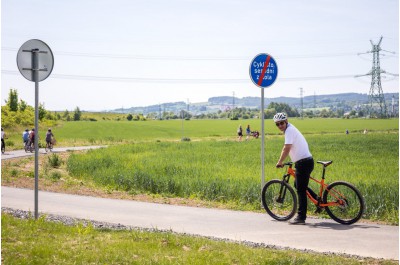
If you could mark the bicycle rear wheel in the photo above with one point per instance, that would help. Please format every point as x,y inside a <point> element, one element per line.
<point>351,203</point>
<point>48,147</point>
<point>279,200</point>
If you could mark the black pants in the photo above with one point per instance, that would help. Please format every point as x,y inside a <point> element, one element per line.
<point>303,171</point>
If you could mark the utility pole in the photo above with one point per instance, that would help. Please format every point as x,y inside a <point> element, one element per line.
<point>392,112</point>
<point>233,102</point>
<point>375,96</point>
<point>301,102</point>
<point>233,99</point>
<point>315,101</point>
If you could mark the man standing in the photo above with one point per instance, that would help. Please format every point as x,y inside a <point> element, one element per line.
<point>297,148</point>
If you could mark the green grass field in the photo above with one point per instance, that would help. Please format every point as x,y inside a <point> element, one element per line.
<point>114,132</point>
<point>229,171</point>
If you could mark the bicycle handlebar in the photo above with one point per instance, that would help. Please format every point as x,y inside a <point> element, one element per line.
<point>285,164</point>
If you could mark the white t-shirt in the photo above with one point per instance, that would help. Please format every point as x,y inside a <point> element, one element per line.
<point>2,134</point>
<point>299,144</point>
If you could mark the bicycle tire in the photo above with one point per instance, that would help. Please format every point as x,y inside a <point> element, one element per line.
<point>281,209</point>
<point>353,203</point>
<point>48,148</point>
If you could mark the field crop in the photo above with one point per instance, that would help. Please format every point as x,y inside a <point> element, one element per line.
<point>229,171</point>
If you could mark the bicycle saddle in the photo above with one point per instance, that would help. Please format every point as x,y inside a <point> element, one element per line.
<point>325,163</point>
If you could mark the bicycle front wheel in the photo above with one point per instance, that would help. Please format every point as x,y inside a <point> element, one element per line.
<point>279,200</point>
<point>350,204</point>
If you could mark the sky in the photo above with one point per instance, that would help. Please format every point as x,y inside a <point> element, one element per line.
<point>126,53</point>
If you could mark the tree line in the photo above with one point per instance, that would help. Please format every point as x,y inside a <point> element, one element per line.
<point>18,112</point>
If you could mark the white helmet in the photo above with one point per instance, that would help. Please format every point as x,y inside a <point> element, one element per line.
<point>280,117</point>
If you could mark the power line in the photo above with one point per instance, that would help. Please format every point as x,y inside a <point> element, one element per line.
<point>185,58</point>
<point>176,80</point>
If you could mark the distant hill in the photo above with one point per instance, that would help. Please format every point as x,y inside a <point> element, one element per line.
<point>224,103</point>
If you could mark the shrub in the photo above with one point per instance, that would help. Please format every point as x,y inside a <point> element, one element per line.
<point>54,161</point>
<point>55,175</point>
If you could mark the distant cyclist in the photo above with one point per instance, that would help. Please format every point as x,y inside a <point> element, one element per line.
<point>32,137</point>
<point>25,136</point>
<point>49,137</point>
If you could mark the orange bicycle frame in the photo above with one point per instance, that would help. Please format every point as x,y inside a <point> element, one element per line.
<point>323,187</point>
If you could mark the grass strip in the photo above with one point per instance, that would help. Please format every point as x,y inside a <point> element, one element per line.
<point>29,241</point>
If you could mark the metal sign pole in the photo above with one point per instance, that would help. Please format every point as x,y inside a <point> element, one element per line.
<point>263,72</point>
<point>262,140</point>
<point>35,70</point>
<point>35,73</point>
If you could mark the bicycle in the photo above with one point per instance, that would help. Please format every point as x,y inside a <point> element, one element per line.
<point>50,145</point>
<point>29,147</point>
<point>341,200</point>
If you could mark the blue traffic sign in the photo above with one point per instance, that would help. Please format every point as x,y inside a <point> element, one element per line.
<point>263,70</point>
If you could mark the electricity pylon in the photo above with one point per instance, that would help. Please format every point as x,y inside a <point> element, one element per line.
<point>375,95</point>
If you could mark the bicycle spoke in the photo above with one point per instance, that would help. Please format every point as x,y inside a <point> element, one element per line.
<point>279,200</point>
<point>349,203</point>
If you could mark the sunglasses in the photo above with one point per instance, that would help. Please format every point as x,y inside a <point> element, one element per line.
<point>279,123</point>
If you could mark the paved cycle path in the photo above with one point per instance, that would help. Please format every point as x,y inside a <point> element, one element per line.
<point>21,153</point>
<point>321,235</point>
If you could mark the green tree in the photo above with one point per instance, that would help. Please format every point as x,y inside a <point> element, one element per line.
<point>129,117</point>
<point>283,107</point>
<point>22,105</point>
<point>66,115</point>
<point>42,111</point>
<point>12,102</point>
<point>77,114</point>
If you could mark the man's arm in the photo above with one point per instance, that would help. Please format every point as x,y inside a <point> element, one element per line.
<point>285,152</point>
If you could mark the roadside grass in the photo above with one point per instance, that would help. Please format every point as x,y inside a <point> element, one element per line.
<point>30,241</point>
<point>229,171</point>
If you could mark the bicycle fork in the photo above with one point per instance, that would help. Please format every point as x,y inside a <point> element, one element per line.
<point>283,189</point>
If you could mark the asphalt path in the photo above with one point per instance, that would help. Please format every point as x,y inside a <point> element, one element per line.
<point>320,235</point>
<point>21,153</point>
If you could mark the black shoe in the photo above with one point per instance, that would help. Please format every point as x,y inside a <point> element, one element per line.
<point>297,221</point>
